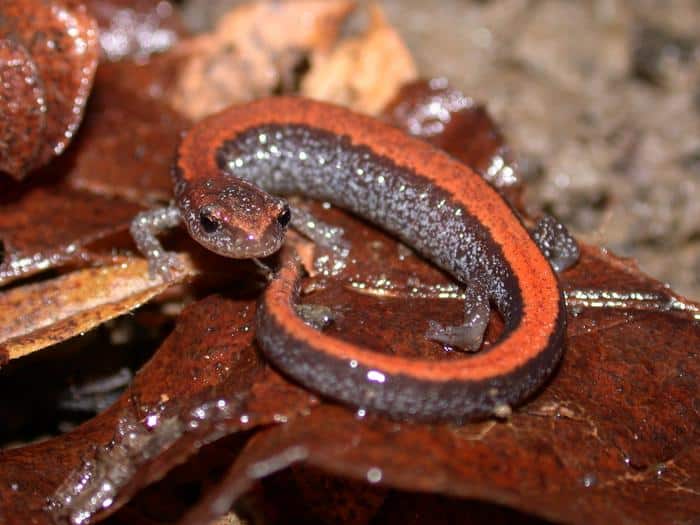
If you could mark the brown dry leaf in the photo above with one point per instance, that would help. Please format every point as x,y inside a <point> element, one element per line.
<point>127,141</point>
<point>211,336</point>
<point>47,226</point>
<point>450,120</point>
<point>22,110</point>
<point>74,213</point>
<point>62,44</point>
<point>364,72</point>
<point>206,381</point>
<point>38,315</point>
<point>614,436</point>
<point>120,162</point>
<point>253,52</point>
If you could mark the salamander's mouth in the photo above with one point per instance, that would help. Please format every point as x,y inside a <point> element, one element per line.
<point>236,243</point>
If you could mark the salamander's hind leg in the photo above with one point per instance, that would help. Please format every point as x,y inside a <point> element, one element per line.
<point>556,243</point>
<point>144,229</point>
<point>469,335</point>
<point>317,316</point>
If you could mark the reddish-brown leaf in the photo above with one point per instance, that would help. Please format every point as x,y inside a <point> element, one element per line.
<point>452,121</point>
<point>22,108</point>
<point>207,360</point>
<point>47,226</point>
<point>613,437</point>
<point>62,44</point>
<point>128,139</point>
<point>121,158</point>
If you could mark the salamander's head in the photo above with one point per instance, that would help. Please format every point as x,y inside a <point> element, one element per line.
<point>233,218</point>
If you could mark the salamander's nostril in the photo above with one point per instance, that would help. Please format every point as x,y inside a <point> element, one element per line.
<point>285,216</point>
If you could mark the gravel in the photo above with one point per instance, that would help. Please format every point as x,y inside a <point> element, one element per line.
<point>601,100</point>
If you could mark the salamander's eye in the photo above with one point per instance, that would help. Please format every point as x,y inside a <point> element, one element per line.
<point>209,223</point>
<point>284,217</point>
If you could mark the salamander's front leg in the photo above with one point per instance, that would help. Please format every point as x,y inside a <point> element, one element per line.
<point>332,248</point>
<point>144,228</point>
<point>323,234</point>
<point>469,335</point>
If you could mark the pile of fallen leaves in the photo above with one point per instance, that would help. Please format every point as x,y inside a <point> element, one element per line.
<point>92,101</point>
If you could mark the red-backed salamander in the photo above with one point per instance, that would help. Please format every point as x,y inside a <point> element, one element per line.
<point>430,201</point>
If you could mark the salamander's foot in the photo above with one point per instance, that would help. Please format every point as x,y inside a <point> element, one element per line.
<point>164,265</point>
<point>466,337</point>
<point>556,243</point>
<point>315,315</point>
<point>266,271</point>
<point>469,335</point>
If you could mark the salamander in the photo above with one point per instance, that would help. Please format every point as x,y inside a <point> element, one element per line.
<point>231,169</point>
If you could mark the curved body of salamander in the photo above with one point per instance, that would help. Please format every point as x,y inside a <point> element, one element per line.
<point>432,202</point>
